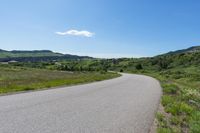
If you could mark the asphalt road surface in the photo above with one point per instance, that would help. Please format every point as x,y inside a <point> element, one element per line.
<point>123,105</point>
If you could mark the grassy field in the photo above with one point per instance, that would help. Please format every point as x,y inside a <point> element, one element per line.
<point>180,100</point>
<point>14,79</point>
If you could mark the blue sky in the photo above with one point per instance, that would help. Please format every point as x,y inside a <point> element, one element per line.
<point>100,28</point>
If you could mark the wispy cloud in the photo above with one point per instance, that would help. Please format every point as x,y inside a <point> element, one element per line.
<point>83,33</point>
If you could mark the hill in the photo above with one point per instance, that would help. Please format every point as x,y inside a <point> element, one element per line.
<point>35,55</point>
<point>193,49</point>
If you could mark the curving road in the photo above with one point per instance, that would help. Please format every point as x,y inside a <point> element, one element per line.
<point>123,105</point>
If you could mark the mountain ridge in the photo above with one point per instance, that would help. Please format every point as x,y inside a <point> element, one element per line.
<point>192,49</point>
<point>35,55</point>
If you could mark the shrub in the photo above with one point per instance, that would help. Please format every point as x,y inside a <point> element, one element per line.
<point>28,88</point>
<point>138,67</point>
<point>103,72</point>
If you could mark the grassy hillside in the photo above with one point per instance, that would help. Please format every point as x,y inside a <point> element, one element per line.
<point>179,74</point>
<point>188,50</point>
<point>36,56</point>
<point>39,53</point>
<point>181,99</point>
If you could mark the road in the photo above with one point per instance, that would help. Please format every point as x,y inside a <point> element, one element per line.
<point>123,105</point>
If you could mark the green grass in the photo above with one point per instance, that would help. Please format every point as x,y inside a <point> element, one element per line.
<point>14,79</point>
<point>181,99</point>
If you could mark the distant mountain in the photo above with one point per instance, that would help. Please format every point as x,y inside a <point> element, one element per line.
<point>35,55</point>
<point>193,49</point>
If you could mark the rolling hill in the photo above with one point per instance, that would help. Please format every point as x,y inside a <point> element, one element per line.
<point>193,49</point>
<point>36,55</point>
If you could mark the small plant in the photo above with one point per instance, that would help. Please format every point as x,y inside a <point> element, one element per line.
<point>164,130</point>
<point>175,120</point>
<point>160,117</point>
<point>185,108</point>
<point>162,120</point>
<point>194,123</point>
<point>173,108</point>
<point>166,100</point>
<point>170,88</point>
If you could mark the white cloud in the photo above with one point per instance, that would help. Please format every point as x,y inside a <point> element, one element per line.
<point>83,33</point>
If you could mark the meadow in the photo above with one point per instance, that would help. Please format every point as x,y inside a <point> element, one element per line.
<point>15,79</point>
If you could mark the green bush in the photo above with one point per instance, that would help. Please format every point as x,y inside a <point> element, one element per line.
<point>138,67</point>
<point>28,88</point>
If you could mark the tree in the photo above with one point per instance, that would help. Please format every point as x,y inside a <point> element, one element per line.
<point>121,70</point>
<point>138,67</point>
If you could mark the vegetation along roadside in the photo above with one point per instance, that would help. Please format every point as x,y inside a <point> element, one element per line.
<point>15,79</point>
